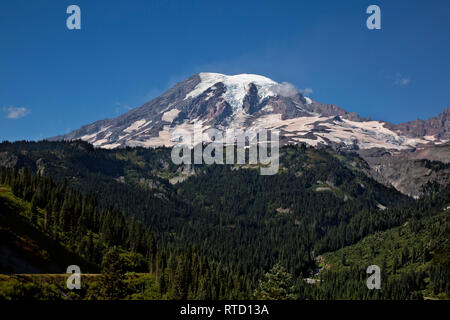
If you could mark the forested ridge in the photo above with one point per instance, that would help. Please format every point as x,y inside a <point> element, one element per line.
<point>106,239</point>
<point>218,233</point>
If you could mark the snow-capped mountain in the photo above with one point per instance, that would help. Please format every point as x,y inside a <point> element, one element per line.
<point>252,101</point>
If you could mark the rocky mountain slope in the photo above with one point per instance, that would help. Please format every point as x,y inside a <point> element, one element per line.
<point>248,101</point>
<point>438,127</point>
<point>409,170</point>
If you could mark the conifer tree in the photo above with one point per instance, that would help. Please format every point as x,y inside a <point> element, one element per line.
<point>278,284</point>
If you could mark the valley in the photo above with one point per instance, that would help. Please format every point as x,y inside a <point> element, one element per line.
<point>237,226</point>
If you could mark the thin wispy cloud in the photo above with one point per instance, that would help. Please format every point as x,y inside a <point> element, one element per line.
<point>306,92</point>
<point>120,107</point>
<point>15,112</point>
<point>401,80</point>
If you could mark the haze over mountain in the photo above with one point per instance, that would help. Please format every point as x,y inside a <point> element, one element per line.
<point>250,101</point>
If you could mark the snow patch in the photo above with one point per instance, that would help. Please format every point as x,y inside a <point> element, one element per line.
<point>89,137</point>
<point>111,146</point>
<point>103,140</point>
<point>430,138</point>
<point>169,116</point>
<point>267,108</point>
<point>135,126</point>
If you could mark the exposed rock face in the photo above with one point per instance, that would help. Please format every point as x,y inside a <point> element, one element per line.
<point>438,127</point>
<point>408,171</point>
<point>40,165</point>
<point>8,160</point>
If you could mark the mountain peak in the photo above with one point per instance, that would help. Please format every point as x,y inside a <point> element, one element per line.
<point>242,77</point>
<point>236,86</point>
<point>250,101</point>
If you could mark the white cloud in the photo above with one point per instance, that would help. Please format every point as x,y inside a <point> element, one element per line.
<point>401,80</point>
<point>15,113</point>
<point>306,92</point>
<point>286,89</point>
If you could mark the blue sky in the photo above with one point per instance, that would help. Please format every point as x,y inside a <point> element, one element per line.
<point>53,80</point>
